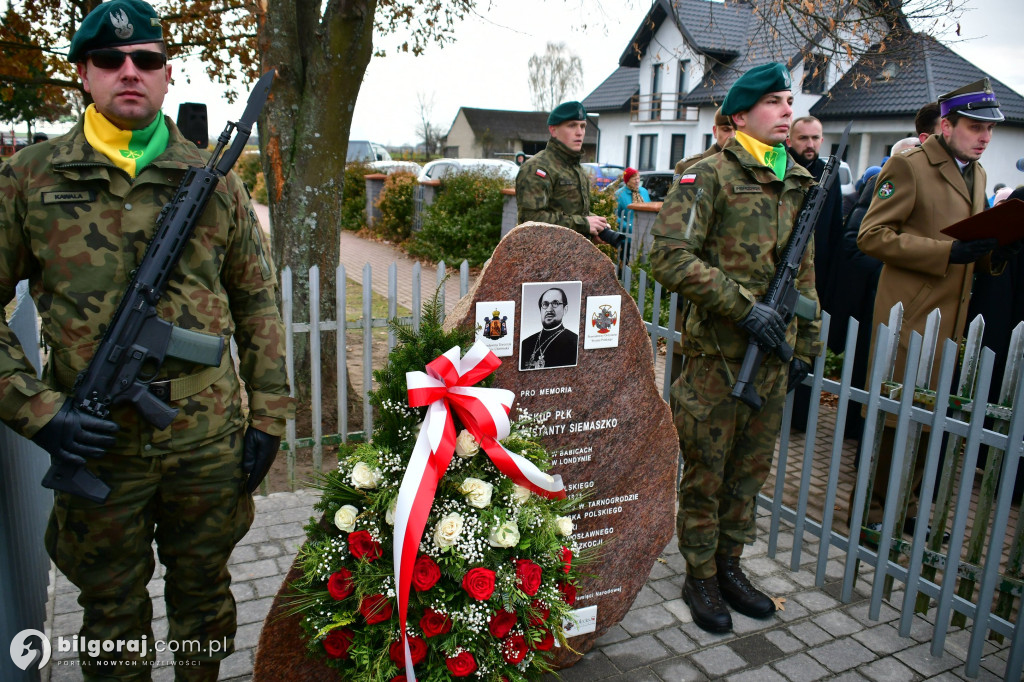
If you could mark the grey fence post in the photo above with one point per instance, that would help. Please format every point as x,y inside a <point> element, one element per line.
<point>24,508</point>
<point>509,211</point>
<point>423,196</point>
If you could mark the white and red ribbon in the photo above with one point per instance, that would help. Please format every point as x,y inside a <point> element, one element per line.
<point>449,386</point>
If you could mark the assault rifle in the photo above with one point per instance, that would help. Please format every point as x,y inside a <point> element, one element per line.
<point>137,341</point>
<point>782,295</point>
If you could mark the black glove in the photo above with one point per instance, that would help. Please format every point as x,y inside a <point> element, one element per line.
<point>73,435</point>
<point>798,371</point>
<point>766,325</point>
<point>1004,253</point>
<point>258,453</point>
<point>968,252</point>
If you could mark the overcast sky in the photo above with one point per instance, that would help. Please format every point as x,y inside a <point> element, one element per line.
<point>487,66</point>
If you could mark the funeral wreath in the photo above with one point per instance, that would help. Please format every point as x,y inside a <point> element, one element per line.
<point>446,524</point>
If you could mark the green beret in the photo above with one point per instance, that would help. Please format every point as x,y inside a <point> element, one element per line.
<point>744,93</point>
<point>119,22</point>
<point>567,111</point>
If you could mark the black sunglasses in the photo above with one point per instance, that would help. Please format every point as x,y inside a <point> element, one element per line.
<point>147,60</point>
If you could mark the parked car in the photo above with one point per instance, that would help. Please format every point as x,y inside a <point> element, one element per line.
<point>389,167</point>
<point>441,168</point>
<point>602,174</point>
<point>657,183</point>
<point>364,150</point>
<point>846,179</point>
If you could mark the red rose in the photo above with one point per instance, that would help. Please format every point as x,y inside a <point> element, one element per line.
<point>399,678</point>
<point>462,665</point>
<point>501,622</point>
<point>363,546</point>
<point>425,573</point>
<point>433,623</point>
<point>513,649</point>
<point>527,576</point>
<point>337,642</point>
<point>339,585</point>
<point>417,650</point>
<point>568,593</point>
<point>565,556</point>
<point>542,612</point>
<point>375,609</point>
<point>479,583</point>
<point>544,643</point>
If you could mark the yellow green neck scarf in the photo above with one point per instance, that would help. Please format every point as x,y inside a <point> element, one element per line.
<point>773,157</point>
<point>131,150</point>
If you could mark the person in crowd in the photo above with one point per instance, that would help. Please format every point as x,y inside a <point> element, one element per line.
<point>926,121</point>
<point>917,194</point>
<point>805,138</point>
<point>719,249</point>
<point>722,130</point>
<point>630,193</point>
<point>995,191</point>
<point>76,215</point>
<point>551,186</point>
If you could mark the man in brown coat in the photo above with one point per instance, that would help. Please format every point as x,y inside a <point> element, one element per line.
<point>918,193</point>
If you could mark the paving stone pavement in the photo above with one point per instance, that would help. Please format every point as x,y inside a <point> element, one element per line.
<point>816,637</point>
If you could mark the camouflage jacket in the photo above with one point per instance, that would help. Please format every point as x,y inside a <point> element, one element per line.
<point>553,188</point>
<point>75,226</point>
<point>683,164</point>
<point>717,241</point>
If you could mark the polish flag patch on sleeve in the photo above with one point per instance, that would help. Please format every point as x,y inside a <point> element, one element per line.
<point>688,179</point>
<point>541,173</point>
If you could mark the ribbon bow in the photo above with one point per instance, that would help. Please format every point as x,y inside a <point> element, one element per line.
<point>449,386</point>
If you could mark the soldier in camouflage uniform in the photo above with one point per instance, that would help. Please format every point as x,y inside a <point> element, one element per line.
<point>717,242</point>
<point>76,215</point>
<point>551,186</point>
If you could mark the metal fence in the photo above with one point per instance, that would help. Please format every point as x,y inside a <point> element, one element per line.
<point>24,507</point>
<point>977,578</point>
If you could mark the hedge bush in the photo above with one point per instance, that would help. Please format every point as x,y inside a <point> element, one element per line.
<point>250,170</point>
<point>464,222</point>
<point>353,202</point>
<point>396,207</point>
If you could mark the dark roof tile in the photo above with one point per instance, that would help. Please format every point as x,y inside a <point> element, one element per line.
<point>924,70</point>
<point>615,92</point>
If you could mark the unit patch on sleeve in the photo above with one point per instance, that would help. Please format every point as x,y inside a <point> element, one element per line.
<point>886,189</point>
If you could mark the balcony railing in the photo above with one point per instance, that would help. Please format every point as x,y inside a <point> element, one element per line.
<point>663,106</point>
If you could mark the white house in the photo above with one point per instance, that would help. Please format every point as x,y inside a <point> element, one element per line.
<point>659,105</point>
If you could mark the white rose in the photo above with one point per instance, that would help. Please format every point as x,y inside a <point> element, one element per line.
<point>389,516</point>
<point>448,530</point>
<point>520,494</point>
<point>505,535</point>
<point>465,445</point>
<point>345,518</point>
<point>365,477</point>
<point>477,492</point>
<point>564,525</point>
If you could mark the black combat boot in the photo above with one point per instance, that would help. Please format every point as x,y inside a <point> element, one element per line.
<point>705,602</point>
<point>738,591</point>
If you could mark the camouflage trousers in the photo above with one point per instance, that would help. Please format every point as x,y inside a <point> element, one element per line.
<point>194,505</point>
<point>727,454</point>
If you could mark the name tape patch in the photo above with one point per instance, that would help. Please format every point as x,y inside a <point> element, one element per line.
<point>76,197</point>
<point>746,189</point>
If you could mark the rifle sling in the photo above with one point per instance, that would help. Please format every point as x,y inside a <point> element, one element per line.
<point>169,390</point>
